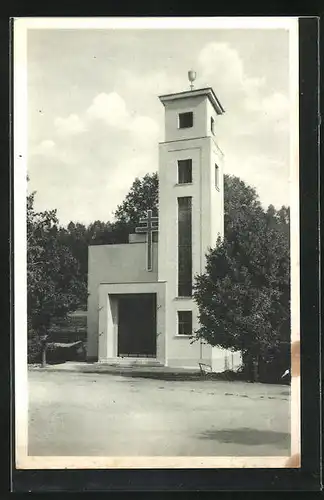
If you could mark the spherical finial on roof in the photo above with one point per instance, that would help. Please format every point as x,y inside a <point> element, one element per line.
<point>192,77</point>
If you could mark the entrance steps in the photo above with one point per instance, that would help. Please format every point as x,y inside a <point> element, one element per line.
<point>130,362</point>
<point>155,370</point>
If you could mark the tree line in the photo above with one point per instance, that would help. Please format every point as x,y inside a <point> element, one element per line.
<point>243,297</point>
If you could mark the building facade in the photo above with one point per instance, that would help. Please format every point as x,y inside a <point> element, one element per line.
<point>140,304</point>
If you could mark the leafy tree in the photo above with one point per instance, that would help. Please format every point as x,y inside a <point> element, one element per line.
<point>243,297</point>
<point>53,276</point>
<point>74,237</point>
<point>142,196</point>
<point>104,233</point>
<point>77,237</point>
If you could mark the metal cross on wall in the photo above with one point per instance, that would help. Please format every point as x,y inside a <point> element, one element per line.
<point>148,225</point>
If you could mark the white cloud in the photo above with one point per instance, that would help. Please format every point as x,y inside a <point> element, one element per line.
<point>144,131</point>
<point>49,150</point>
<point>45,147</point>
<point>267,174</point>
<point>222,66</point>
<point>124,175</point>
<point>149,85</point>
<point>124,127</point>
<point>111,108</point>
<point>275,106</point>
<point>120,144</point>
<point>253,132</point>
<point>71,125</point>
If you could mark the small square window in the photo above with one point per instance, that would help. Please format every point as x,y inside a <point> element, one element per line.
<point>186,120</point>
<point>216,176</point>
<point>212,125</point>
<point>185,323</point>
<point>184,171</point>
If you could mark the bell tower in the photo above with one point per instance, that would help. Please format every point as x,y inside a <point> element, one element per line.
<point>191,210</point>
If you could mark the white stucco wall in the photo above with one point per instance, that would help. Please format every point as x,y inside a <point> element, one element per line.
<point>124,263</point>
<point>197,143</point>
<point>117,269</point>
<point>172,109</point>
<point>108,317</point>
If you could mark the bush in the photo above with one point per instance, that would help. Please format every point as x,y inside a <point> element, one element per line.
<point>34,348</point>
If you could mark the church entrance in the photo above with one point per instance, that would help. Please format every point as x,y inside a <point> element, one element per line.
<point>137,325</point>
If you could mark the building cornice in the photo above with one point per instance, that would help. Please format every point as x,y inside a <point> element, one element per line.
<point>195,93</point>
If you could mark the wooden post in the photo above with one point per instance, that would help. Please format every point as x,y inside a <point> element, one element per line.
<point>44,347</point>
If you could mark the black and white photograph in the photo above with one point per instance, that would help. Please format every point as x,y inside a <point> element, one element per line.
<point>156,242</point>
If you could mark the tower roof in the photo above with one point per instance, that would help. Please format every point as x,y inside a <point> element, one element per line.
<point>194,93</point>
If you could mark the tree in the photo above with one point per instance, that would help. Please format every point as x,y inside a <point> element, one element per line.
<point>53,276</point>
<point>103,233</point>
<point>143,196</point>
<point>243,296</point>
<point>77,237</point>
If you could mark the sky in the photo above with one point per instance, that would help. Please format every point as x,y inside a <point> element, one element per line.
<point>95,120</point>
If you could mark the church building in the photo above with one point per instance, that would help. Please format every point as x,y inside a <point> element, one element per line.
<point>140,305</point>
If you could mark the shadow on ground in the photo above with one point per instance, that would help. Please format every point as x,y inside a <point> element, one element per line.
<point>247,436</point>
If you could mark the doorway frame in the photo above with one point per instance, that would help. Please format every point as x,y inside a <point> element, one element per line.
<point>108,318</point>
<point>152,320</point>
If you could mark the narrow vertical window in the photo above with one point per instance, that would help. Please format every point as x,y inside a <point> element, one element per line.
<point>216,176</point>
<point>184,171</point>
<point>185,323</point>
<point>212,125</point>
<point>184,247</point>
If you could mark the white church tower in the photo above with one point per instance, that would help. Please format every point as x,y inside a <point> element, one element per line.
<point>140,304</point>
<point>191,214</point>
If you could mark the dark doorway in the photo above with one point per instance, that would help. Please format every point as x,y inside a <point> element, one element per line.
<point>137,325</point>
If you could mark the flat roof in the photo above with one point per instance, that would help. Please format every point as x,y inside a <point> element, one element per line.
<point>194,93</point>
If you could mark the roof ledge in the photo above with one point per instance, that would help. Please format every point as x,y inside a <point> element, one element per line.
<point>194,93</point>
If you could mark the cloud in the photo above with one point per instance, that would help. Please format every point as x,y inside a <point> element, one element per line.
<point>267,174</point>
<point>256,118</point>
<point>113,111</point>
<point>144,131</point>
<point>124,127</point>
<point>111,108</point>
<point>45,147</point>
<point>48,150</point>
<point>149,85</point>
<point>71,125</point>
<point>120,144</point>
<point>274,106</point>
<point>222,66</point>
<point>249,98</point>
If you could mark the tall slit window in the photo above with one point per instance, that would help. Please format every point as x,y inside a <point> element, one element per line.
<point>212,125</point>
<point>184,171</point>
<point>185,246</point>
<point>216,176</point>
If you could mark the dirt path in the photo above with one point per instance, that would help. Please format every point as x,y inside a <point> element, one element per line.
<point>100,414</point>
